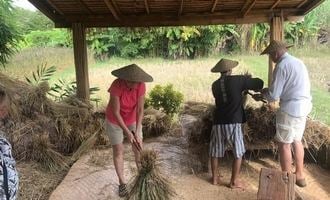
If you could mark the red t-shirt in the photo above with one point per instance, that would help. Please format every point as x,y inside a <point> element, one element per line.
<point>128,98</point>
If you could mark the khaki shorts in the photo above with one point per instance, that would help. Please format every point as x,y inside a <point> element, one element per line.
<point>289,128</point>
<point>116,133</point>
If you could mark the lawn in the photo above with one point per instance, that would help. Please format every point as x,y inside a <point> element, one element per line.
<point>192,77</point>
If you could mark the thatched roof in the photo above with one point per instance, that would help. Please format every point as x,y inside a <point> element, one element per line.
<point>133,13</point>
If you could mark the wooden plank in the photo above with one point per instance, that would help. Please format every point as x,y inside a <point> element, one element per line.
<point>214,5</point>
<point>275,4</point>
<point>147,6</point>
<point>80,60</point>
<point>249,8</point>
<point>112,9</point>
<point>276,33</point>
<point>274,184</point>
<point>181,8</point>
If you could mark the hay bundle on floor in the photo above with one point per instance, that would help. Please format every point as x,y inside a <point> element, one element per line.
<point>200,132</point>
<point>317,134</point>
<point>196,109</point>
<point>155,123</point>
<point>45,131</point>
<point>150,184</point>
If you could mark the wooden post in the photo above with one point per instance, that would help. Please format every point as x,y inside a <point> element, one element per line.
<point>80,60</point>
<point>274,184</point>
<point>276,33</point>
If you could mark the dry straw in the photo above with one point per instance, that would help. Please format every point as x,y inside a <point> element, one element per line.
<point>150,183</point>
<point>48,132</point>
<point>155,123</point>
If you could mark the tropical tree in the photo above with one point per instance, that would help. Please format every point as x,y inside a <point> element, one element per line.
<point>8,34</point>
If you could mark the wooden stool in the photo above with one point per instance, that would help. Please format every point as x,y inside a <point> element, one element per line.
<point>276,185</point>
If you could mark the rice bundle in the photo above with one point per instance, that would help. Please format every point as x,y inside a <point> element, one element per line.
<point>150,184</point>
<point>45,131</point>
<point>155,123</point>
<point>260,126</point>
<point>259,131</point>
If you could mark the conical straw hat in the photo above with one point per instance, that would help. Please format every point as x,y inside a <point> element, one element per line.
<point>224,65</point>
<point>132,73</point>
<point>275,45</point>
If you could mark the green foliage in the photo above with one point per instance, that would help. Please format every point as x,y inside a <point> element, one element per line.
<point>8,32</point>
<point>27,21</point>
<point>64,89</point>
<point>165,98</point>
<point>42,74</point>
<point>49,38</point>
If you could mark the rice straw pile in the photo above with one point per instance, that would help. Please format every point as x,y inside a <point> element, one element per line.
<point>155,123</point>
<point>45,131</point>
<point>259,131</point>
<point>150,184</point>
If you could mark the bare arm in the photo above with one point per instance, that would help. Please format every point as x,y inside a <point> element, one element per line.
<point>139,114</point>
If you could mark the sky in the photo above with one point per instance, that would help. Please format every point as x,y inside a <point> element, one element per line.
<point>24,4</point>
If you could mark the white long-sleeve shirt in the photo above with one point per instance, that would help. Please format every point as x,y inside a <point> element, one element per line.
<point>291,86</point>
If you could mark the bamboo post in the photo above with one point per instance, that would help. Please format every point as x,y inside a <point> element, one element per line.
<point>80,60</point>
<point>276,33</point>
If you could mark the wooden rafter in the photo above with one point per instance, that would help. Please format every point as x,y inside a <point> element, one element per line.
<point>249,8</point>
<point>147,6</point>
<point>55,7</point>
<point>313,4</point>
<point>55,17</point>
<point>181,8</point>
<point>301,3</point>
<point>245,5</point>
<point>214,5</point>
<point>112,9</point>
<point>154,19</point>
<point>114,3</point>
<point>275,4</point>
<point>88,10</point>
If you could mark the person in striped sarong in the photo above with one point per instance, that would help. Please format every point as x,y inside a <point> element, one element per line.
<point>228,118</point>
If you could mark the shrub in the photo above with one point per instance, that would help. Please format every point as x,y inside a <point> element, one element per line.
<point>165,98</point>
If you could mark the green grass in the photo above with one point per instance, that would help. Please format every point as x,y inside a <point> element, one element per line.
<point>192,77</point>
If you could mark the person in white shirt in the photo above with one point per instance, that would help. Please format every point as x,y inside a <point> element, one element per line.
<point>291,86</point>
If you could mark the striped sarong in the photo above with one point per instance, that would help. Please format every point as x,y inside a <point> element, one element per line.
<point>227,135</point>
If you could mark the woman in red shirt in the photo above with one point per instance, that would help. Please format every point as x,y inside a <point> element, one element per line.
<point>124,115</point>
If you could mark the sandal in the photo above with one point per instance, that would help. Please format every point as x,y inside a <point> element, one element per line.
<point>122,190</point>
<point>301,182</point>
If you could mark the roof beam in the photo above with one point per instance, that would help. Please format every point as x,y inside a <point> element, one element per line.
<point>313,4</point>
<point>259,15</point>
<point>55,7</point>
<point>112,9</point>
<point>275,4</point>
<point>45,9</point>
<point>84,6</point>
<point>181,8</point>
<point>301,3</point>
<point>245,5</point>
<point>249,8</point>
<point>214,5</point>
<point>147,6</point>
